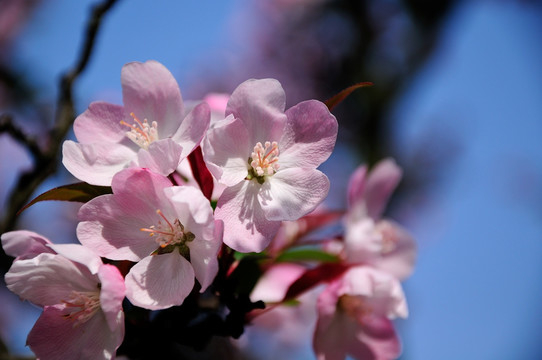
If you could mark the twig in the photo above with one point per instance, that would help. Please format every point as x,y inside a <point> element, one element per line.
<point>7,126</point>
<point>45,160</point>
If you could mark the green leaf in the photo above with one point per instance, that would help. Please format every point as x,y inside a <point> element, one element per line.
<point>337,99</point>
<point>78,192</point>
<point>295,255</point>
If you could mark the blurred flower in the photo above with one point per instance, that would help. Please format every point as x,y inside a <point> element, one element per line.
<point>369,239</point>
<point>354,315</point>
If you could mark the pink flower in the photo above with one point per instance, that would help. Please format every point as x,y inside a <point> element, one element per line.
<point>168,230</point>
<point>149,131</point>
<point>81,298</point>
<point>267,158</point>
<point>354,315</point>
<point>368,238</point>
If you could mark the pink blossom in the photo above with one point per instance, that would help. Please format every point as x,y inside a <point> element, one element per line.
<point>150,130</point>
<point>81,298</point>
<point>354,316</point>
<point>168,230</point>
<point>370,239</point>
<point>267,159</point>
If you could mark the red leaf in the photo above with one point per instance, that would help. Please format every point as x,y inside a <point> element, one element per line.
<point>322,273</point>
<point>201,173</point>
<point>337,99</point>
<point>78,192</point>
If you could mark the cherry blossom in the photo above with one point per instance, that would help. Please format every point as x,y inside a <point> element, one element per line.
<point>81,298</point>
<point>150,130</point>
<point>267,159</point>
<point>168,230</point>
<point>354,316</point>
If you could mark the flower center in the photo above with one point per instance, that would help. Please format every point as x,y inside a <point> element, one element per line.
<point>169,235</point>
<point>81,306</point>
<point>354,306</point>
<point>263,160</point>
<point>141,133</point>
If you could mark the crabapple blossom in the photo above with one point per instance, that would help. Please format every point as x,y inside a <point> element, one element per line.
<point>354,316</point>
<point>81,298</point>
<point>150,130</point>
<point>168,230</point>
<point>370,239</point>
<point>267,159</point>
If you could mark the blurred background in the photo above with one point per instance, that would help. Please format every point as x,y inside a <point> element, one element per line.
<point>457,101</point>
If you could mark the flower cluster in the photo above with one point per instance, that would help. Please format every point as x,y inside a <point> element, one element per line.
<point>190,195</point>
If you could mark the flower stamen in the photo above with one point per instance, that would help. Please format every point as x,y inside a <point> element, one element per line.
<point>264,159</point>
<point>168,233</point>
<point>82,306</point>
<point>141,133</point>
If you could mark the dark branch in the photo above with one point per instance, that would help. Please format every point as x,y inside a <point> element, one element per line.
<point>7,126</point>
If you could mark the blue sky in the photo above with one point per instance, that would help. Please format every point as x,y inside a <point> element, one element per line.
<point>476,292</point>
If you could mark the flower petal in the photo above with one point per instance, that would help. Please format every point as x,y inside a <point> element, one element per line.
<point>79,254</point>
<point>193,128</point>
<point>160,281</point>
<point>111,296</point>
<point>195,213</point>
<point>100,123</point>
<point>204,256</point>
<point>332,337</point>
<point>24,244</point>
<point>309,135</point>
<point>162,156</point>
<point>54,337</point>
<point>96,163</point>
<point>292,193</point>
<point>379,335</point>
<point>245,227</point>
<point>380,184</point>
<point>47,279</point>
<point>226,151</point>
<point>107,228</point>
<point>151,92</point>
<point>260,105</point>
<point>356,186</point>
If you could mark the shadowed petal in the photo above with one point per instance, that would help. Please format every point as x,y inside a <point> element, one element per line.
<point>226,150</point>
<point>162,156</point>
<point>309,136</point>
<point>193,128</point>
<point>111,296</point>
<point>54,337</point>
<point>160,281</point>
<point>292,193</point>
<point>245,227</point>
